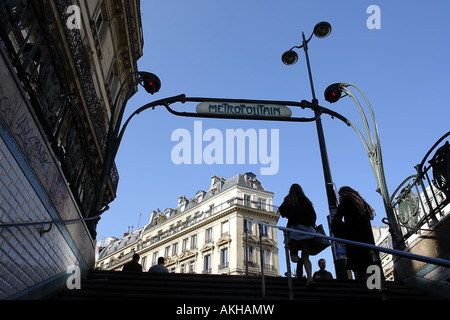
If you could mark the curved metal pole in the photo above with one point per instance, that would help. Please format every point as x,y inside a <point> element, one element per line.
<point>183,99</point>
<point>376,161</point>
<point>363,116</point>
<point>111,143</point>
<point>161,102</point>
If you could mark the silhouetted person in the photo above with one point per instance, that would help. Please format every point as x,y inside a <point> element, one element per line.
<point>159,268</point>
<point>133,265</point>
<point>322,274</point>
<point>299,211</point>
<point>357,214</point>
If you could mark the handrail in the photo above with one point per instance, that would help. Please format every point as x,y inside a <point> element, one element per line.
<point>435,261</point>
<point>51,222</point>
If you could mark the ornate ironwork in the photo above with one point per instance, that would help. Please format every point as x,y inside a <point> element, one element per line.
<point>13,14</point>
<point>84,72</point>
<point>41,67</point>
<point>422,209</point>
<point>408,207</point>
<point>440,165</point>
<point>131,32</point>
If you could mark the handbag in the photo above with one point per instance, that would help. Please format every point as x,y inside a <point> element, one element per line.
<point>319,244</point>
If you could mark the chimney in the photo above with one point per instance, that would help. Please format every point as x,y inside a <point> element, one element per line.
<point>214,180</point>
<point>182,203</point>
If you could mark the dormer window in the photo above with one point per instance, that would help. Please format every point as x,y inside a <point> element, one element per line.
<point>199,196</point>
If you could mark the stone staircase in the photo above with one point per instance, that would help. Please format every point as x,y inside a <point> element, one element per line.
<point>114,285</point>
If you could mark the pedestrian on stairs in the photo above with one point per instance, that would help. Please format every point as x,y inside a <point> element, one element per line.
<point>322,274</point>
<point>133,265</point>
<point>356,226</point>
<point>159,268</point>
<point>299,211</point>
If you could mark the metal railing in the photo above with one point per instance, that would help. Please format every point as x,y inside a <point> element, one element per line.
<point>434,261</point>
<point>421,201</point>
<point>50,223</point>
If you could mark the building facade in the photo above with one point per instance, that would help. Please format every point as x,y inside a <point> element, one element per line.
<point>414,209</point>
<point>206,234</point>
<point>383,238</point>
<point>61,66</point>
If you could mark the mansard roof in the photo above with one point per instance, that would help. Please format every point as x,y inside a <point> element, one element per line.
<point>248,180</point>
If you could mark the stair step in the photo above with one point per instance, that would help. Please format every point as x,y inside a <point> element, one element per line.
<point>112,285</point>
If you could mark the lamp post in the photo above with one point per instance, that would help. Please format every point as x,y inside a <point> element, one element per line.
<point>290,57</point>
<point>373,148</point>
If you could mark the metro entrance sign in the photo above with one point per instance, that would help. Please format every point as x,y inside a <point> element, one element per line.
<point>244,109</point>
<point>220,108</point>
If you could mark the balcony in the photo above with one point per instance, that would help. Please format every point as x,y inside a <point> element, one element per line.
<point>198,218</point>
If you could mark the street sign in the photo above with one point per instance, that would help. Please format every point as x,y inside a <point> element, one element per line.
<point>244,109</point>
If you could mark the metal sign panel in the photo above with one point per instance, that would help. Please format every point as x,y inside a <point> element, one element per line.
<point>244,109</point>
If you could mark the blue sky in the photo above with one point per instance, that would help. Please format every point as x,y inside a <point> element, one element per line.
<point>232,49</point>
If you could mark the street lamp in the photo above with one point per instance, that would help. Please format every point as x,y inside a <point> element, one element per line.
<point>290,57</point>
<point>321,30</point>
<point>373,148</point>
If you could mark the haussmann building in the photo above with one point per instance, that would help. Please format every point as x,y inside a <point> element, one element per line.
<point>205,233</point>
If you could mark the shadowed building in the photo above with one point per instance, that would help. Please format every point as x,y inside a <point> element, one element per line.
<point>61,66</point>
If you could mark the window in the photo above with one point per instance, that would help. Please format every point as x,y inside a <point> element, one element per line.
<point>155,258</point>
<point>167,252</point>
<point>174,249</point>
<point>262,204</point>
<point>223,259</point>
<point>247,200</point>
<point>144,263</point>
<point>192,266</point>
<point>101,22</point>
<point>185,245</point>
<point>266,259</point>
<point>182,268</point>
<point>251,256</point>
<point>225,228</point>
<point>249,225</point>
<point>207,264</point>
<point>194,241</point>
<point>208,235</point>
<point>113,79</point>
<point>264,230</point>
